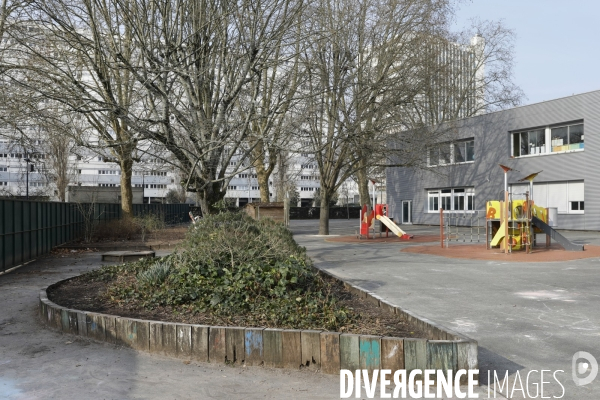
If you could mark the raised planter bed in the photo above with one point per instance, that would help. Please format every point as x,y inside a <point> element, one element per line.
<point>281,348</point>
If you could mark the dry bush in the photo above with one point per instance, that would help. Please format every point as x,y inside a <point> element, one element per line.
<point>120,229</point>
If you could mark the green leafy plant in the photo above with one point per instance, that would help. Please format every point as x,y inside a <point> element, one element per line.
<point>155,275</point>
<point>239,271</point>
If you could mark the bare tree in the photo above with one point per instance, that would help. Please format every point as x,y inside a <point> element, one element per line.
<point>70,53</point>
<point>199,58</point>
<point>275,94</point>
<point>365,64</point>
<point>465,74</point>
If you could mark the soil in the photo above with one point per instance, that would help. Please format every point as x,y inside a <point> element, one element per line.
<point>81,294</point>
<point>164,238</point>
<point>478,252</point>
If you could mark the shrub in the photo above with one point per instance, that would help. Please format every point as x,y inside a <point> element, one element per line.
<point>148,223</point>
<point>233,266</point>
<point>119,229</point>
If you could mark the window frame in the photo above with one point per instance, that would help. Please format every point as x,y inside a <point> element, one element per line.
<point>438,198</point>
<point>452,148</point>
<point>551,145</point>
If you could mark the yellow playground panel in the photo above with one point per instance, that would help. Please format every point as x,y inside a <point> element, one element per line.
<point>518,221</point>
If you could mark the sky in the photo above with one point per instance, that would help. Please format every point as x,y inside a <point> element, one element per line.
<point>557,46</point>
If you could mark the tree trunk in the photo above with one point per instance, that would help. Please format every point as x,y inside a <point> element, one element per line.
<point>363,186</point>
<point>324,212</point>
<point>61,193</point>
<point>126,191</point>
<point>209,197</point>
<point>263,183</point>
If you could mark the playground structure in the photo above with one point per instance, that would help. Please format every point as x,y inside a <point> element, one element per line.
<point>367,223</point>
<point>512,223</point>
<point>465,227</point>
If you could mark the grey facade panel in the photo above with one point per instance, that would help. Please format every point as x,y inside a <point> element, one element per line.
<point>493,146</point>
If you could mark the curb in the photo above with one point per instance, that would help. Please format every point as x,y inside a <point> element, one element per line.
<point>327,352</point>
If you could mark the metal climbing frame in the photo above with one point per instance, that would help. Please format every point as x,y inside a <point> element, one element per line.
<point>465,227</point>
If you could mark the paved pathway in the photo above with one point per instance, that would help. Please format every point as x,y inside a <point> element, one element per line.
<point>525,316</point>
<point>37,363</point>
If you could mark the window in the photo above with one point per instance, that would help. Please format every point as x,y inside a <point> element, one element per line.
<point>577,206</point>
<point>567,138</point>
<point>255,188</point>
<point>2,183</point>
<point>108,185</point>
<point>529,143</point>
<point>108,172</point>
<point>307,189</point>
<point>547,140</point>
<point>452,153</point>
<point>434,201</point>
<point>3,169</point>
<point>464,151</point>
<point>231,187</point>
<point>451,199</point>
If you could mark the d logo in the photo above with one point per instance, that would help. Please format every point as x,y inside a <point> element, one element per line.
<point>582,367</point>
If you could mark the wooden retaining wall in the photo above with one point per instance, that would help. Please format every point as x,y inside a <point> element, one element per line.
<point>280,348</point>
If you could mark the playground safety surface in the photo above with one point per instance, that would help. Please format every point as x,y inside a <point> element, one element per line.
<point>479,252</point>
<point>391,239</point>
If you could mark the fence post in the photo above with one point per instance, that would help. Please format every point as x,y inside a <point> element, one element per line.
<point>442,227</point>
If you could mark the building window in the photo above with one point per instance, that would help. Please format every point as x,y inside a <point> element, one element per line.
<point>462,151</point>
<point>231,187</point>
<point>451,199</point>
<point>3,169</point>
<point>2,183</point>
<point>566,138</point>
<point>557,139</point>
<point>577,206</point>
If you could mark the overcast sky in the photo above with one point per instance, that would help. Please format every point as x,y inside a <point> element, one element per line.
<point>557,49</point>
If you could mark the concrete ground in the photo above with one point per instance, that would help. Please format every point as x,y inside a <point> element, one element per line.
<point>527,317</point>
<point>38,363</point>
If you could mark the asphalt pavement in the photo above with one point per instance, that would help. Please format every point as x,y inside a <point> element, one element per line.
<point>526,317</point>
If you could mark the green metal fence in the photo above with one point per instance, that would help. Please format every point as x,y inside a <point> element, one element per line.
<point>29,229</point>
